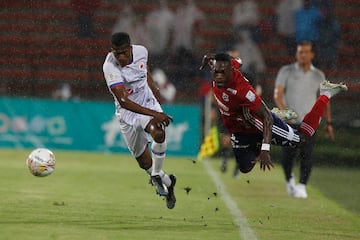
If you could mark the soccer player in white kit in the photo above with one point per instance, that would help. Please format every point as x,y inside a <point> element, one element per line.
<point>137,103</point>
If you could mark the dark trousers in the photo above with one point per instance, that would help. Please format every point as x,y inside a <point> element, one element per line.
<point>288,159</point>
<point>246,146</point>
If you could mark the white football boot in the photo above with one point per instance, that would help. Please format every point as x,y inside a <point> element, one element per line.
<point>285,114</point>
<point>331,89</point>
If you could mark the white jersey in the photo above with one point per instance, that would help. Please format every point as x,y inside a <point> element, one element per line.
<point>134,77</point>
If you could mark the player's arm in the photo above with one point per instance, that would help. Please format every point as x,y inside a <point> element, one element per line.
<point>329,127</point>
<point>279,96</point>
<point>121,95</point>
<point>264,113</point>
<point>154,88</point>
<point>280,83</point>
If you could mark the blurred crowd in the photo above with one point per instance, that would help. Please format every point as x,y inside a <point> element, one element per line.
<point>175,47</point>
<point>170,37</point>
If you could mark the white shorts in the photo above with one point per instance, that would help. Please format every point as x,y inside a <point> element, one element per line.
<point>135,136</point>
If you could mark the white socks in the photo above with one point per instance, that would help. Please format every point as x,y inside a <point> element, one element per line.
<point>158,151</point>
<point>158,156</point>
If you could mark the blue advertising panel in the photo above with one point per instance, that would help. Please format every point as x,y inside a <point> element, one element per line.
<point>87,126</point>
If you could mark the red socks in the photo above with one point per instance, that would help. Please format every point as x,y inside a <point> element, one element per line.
<point>312,119</point>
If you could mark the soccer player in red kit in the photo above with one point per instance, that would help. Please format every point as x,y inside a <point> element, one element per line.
<point>253,127</point>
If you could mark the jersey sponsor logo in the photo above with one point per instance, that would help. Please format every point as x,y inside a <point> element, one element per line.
<point>136,90</point>
<point>250,96</point>
<point>233,91</point>
<point>142,77</point>
<point>225,97</point>
<point>129,91</point>
<point>221,105</point>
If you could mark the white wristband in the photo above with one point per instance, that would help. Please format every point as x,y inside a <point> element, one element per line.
<point>265,147</point>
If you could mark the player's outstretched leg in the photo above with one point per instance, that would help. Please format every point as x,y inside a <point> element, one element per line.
<point>312,119</point>
<point>158,177</point>
<point>170,198</point>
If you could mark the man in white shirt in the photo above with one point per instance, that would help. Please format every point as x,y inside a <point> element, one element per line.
<point>159,24</point>
<point>187,20</point>
<point>285,11</point>
<point>138,110</point>
<point>246,17</point>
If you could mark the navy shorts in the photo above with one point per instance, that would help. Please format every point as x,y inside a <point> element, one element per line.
<point>246,146</point>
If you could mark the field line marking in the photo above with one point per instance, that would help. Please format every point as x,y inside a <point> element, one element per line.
<point>240,220</point>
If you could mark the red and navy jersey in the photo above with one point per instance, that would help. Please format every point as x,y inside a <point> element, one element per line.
<point>237,103</point>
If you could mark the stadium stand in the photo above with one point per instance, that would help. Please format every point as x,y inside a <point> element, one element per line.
<point>40,47</point>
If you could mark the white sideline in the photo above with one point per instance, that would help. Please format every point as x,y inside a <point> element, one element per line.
<point>245,231</point>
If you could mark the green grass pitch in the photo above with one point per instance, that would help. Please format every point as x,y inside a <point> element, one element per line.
<point>106,196</point>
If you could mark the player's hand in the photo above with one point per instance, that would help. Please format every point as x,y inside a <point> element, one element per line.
<point>264,160</point>
<point>329,132</point>
<point>207,60</point>
<point>162,119</point>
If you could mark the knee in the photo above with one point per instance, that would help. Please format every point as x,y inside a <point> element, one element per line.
<point>245,161</point>
<point>159,136</point>
<point>247,168</point>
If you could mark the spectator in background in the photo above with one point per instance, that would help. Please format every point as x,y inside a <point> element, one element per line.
<point>286,23</point>
<point>308,21</point>
<point>134,25</point>
<point>323,5</point>
<point>140,32</point>
<point>125,20</point>
<point>85,10</point>
<point>166,88</point>
<point>188,19</point>
<point>159,24</point>
<point>183,63</point>
<point>63,92</point>
<point>253,63</point>
<point>329,40</point>
<point>293,82</point>
<point>246,18</point>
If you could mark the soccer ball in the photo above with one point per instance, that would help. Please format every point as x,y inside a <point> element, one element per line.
<point>41,162</point>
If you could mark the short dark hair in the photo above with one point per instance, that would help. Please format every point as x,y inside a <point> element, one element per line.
<point>120,38</point>
<point>306,43</point>
<point>223,57</point>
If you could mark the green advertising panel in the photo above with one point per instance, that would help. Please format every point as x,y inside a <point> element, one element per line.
<point>87,126</point>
